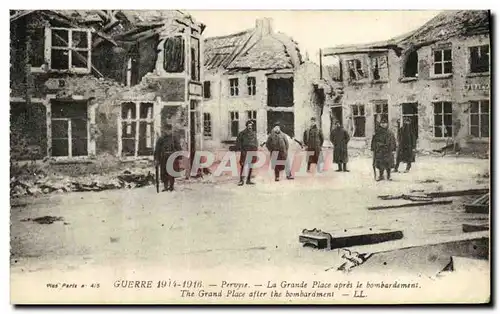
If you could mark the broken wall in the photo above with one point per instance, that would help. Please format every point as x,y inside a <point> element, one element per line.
<point>459,88</point>
<point>307,102</point>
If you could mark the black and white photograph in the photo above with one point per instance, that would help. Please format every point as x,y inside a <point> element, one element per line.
<point>250,157</point>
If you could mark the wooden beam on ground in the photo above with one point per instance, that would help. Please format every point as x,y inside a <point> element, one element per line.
<point>475,228</point>
<point>458,193</point>
<point>477,209</point>
<point>414,204</point>
<point>365,239</point>
<point>316,238</point>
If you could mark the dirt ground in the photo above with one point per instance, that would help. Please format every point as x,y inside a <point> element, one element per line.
<point>200,226</point>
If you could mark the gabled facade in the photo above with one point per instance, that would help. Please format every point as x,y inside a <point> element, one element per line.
<point>85,83</point>
<point>257,74</point>
<point>438,76</point>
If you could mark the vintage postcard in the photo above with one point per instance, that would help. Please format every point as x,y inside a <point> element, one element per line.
<point>250,157</point>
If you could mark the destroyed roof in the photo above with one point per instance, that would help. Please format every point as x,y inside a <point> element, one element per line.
<point>445,25</point>
<point>254,49</point>
<point>129,19</point>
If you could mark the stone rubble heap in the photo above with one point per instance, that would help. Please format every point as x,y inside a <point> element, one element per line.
<point>59,184</point>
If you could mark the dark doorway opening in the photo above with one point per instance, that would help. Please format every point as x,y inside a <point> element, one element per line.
<point>410,111</point>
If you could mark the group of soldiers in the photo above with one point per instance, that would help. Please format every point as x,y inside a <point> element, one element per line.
<point>384,144</point>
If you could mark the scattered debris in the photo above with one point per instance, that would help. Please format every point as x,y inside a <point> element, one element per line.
<point>415,204</point>
<point>428,181</point>
<point>353,259</point>
<point>406,197</point>
<point>481,205</point>
<point>45,220</point>
<point>113,240</point>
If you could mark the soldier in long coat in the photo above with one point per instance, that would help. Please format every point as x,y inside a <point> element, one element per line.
<point>167,144</point>
<point>313,139</point>
<point>340,138</point>
<point>407,143</point>
<point>247,142</point>
<point>383,146</point>
<point>277,143</point>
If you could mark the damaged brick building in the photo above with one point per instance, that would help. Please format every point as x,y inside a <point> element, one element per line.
<point>257,74</point>
<point>84,83</point>
<point>438,76</point>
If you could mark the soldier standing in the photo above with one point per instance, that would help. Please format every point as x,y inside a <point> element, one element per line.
<point>277,143</point>
<point>247,142</point>
<point>407,143</point>
<point>383,146</point>
<point>313,139</point>
<point>167,144</point>
<point>339,138</point>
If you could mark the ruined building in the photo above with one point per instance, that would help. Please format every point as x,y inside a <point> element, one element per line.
<point>84,83</point>
<point>438,76</point>
<point>257,74</point>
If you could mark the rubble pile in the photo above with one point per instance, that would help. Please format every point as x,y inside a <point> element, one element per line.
<point>46,184</point>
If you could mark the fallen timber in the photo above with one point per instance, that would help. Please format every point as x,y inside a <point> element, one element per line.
<point>324,240</point>
<point>475,227</point>
<point>413,204</point>
<point>458,193</point>
<point>480,206</point>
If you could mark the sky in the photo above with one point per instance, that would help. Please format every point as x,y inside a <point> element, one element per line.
<point>318,29</point>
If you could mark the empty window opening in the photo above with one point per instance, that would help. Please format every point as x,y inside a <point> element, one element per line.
<point>443,123</point>
<point>359,119</point>
<point>411,65</point>
<point>173,50</point>
<point>286,120</point>
<point>132,71</point>
<point>442,62</point>
<point>479,115</point>
<point>206,90</point>
<point>355,68</point>
<point>234,123</point>
<point>379,68</point>
<point>195,59</point>
<point>251,85</point>
<point>480,59</point>
<point>280,92</point>
<point>234,89</point>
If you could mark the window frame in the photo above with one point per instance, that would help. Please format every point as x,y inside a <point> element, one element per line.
<point>356,116</point>
<point>205,89</point>
<point>442,114</point>
<point>49,47</point>
<point>382,105</point>
<point>252,115</point>
<point>234,90</point>
<point>377,57</point>
<point>442,62</point>
<point>231,120</point>
<point>251,86</point>
<point>479,114</point>
<point>136,120</point>
<point>210,124</point>
<point>362,67</point>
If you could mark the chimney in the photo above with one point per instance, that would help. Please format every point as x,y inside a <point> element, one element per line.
<point>264,26</point>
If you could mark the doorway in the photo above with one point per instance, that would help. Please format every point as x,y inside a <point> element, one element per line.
<point>410,111</point>
<point>336,114</point>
